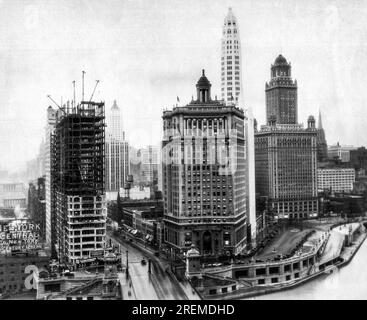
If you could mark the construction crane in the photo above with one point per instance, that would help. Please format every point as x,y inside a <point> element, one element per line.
<point>48,96</point>
<point>94,90</point>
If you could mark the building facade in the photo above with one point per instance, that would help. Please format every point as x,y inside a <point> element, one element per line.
<point>13,195</point>
<point>358,158</point>
<point>231,59</point>
<point>78,186</point>
<point>285,151</point>
<point>50,126</point>
<point>281,93</point>
<point>286,169</point>
<point>37,204</point>
<point>340,152</point>
<point>322,154</point>
<point>149,164</point>
<point>13,270</point>
<point>336,179</point>
<point>204,175</point>
<point>117,152</point>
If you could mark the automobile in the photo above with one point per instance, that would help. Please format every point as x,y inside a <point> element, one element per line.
<point>143,262</point>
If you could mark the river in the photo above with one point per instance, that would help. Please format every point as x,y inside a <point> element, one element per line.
<point>349,282</point>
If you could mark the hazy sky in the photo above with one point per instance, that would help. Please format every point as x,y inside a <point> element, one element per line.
<point>148,52</point>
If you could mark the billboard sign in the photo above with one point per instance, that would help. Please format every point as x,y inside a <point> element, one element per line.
<point>19,236</point>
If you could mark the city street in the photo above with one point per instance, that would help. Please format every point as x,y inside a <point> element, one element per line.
<point>155,286</point>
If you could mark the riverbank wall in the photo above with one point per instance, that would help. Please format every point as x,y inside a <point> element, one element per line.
<point>343,260</point>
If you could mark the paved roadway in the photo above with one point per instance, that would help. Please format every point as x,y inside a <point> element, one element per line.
<point>282,244</point>
<point>155,286</point>
<point>335,243</point>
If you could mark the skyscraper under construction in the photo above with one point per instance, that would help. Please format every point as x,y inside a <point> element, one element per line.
<point>77,178</point>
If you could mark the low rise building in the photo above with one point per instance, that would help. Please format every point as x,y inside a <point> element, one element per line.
<point>335,179</point>
<point>13,195</point>
<point>13,270</point>
<point>341,152</point>
<point>79,286</point>
<point>358,158</point>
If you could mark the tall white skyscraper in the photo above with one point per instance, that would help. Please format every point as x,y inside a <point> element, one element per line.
<point>231,59</point>
<point>114,125</point>
<point>117,151</point>
<point>232,91</point>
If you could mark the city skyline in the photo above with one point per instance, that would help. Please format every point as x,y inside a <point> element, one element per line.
<point>139,187</point>
<point>144,47</point>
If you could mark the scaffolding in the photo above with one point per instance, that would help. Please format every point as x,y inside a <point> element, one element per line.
<point>77,178</point>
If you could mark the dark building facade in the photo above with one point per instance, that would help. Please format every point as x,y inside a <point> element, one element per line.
<point>37,204</point>
<point>204,175</point>
<point>322,154</point>
<point>285,151</point>
<point>12,271</point>
<point>281,93</point>
<point>78,185</point>
<point>358,158</point>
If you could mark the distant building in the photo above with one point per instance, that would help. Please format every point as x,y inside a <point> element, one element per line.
<point>231,59</point>
<point>145,222</point>
<point>347,205</point>
<point>341,152</point>
<point>145,164</point>
<point>358,158</point>
<point>117,152</point>
<point>50,221</point>
<point>204,176</point>
<point>37,204</point>
<point>360,186</point>
<point>335,179</point>
<point>322,152</point>
<point>281,93</point>
<point>13,195</point>
<point>149,164</point>
<point>132,214</point>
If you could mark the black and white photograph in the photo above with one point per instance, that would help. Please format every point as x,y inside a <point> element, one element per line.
<point>200,151</point>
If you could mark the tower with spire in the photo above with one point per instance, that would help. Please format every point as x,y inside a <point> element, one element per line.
<point>285,151</point>
<point>321,142</point>
<point>231,59</point>
<point>281,93</point>
<point>117,151</point>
